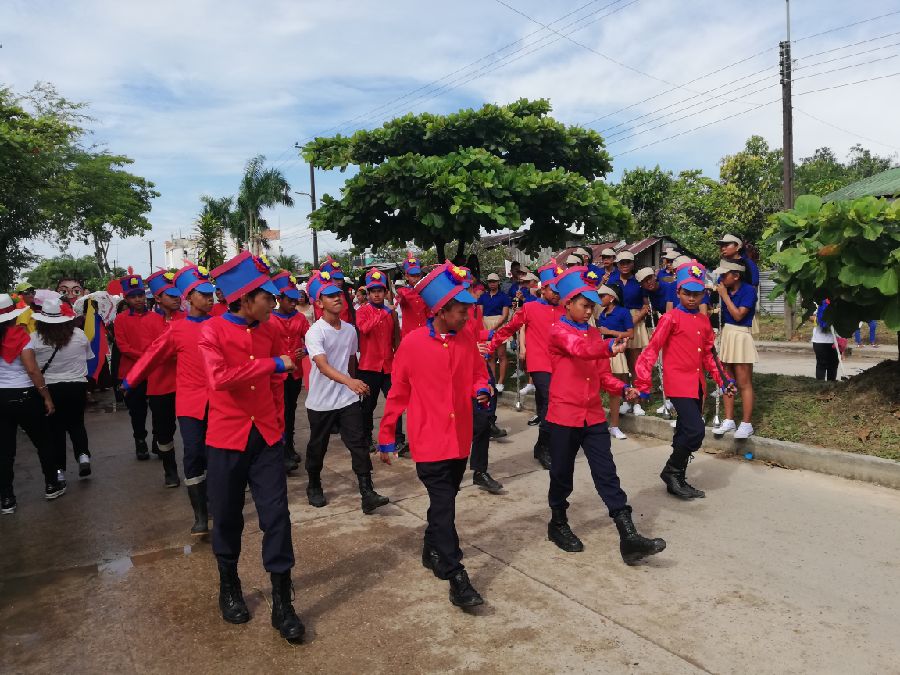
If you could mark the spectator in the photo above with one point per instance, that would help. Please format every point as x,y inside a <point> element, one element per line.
<point>496,306</point>
<point>824,346</point>
<point>873,325</point>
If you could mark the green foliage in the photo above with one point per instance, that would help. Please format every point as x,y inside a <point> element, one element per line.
<point>847,251</point>
<point>221,210</point>
<point>260,188</point>
<point>291,263</point>
<point>823,172</point>
<point>432,179</point>
<point>85,269</point>
<point>210,241</point>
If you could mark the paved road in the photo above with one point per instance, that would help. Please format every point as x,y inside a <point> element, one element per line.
<point>804,362</point>
<point>776,571</point>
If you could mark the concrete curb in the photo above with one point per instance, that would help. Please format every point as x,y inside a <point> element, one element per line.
<point>875,354</point>
<point>789,455</point>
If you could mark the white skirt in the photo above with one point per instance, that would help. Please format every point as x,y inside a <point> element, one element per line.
<point>736,345</point>
<point>641,337</point>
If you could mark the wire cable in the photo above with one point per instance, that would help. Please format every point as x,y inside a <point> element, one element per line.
<point>846,131</point>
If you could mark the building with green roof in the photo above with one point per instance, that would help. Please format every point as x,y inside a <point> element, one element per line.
<point>884,184</point>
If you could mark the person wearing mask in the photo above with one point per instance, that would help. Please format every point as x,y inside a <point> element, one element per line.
<point>62,352</point>
<point>825,346</point>
<point>496,307</point>
<point>615,321</point>
<point>25,403</point>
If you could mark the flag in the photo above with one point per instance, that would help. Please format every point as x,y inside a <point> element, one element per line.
<point>96,335</point>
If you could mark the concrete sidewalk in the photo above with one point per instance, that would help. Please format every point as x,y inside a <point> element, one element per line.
<point>776,571</point>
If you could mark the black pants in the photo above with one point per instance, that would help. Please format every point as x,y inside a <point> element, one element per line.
<point>377,381</point>
<point>292,389</point>
<point>442,480</point>
<point>228,473</point>
<point>136,402</point>
<point>69,399</point>
<point>564,445</point>
<point>350,422</point>
<point>689,427</point>
<point>826,360</point>
<point>163,408</point>
<point>541,383</point>
<point>193,436</point>
<point>23,408</point>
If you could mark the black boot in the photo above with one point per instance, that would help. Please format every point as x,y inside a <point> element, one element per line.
<point>370,499</point>
<point>284,618</point>
<point>632,544</point>
<point>140,449</point>
<point>559,532</point>
<point>496,432</point>
<point>542,449</point>
<point>314,492</point>
<point>430,558</point>
<point>197,495</point>
<point>462,594</point>
<point>170,468</point>
<point>674,476</point>
<point>231,600</point>
<point>485,481</point>
<point>154,448</point>
<point>290,463</point>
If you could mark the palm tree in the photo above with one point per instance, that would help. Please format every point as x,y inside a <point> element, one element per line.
<point>210,249</point>
<point>222,211</point>
<point>291,263</point>
<point>260,188</point>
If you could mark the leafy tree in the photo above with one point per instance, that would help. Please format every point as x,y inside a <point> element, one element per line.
<point>221,209</point>
<point>823,172</point>
<point>260,188</point>
<point>50,270</point>
<point>210,242</point>
<point>291,263</point>
<point>432,179</point>
<point>846,251</point>
<point>648,194</point>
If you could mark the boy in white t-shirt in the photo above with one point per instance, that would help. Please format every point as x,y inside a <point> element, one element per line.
<point>334,395</point>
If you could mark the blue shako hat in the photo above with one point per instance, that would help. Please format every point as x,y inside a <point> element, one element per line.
<point>133,284</point>
<point>690,276</point>
<point>193,278</point>
<point>444,283</point>
<point>320,283</point>
<point>286,283</point>
<point>245,272</point>
<point>333,267</point>
<point>375,278</point>
<point>411,265</point>
<point>578,280</point>
<point>548,273</point>
<point>163,282</point>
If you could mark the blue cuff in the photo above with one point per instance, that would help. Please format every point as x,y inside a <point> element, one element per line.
<point>645,397</point>
<point>624,389</point>
<point>125,385</point>
<point>612,343</point>
<point>483,391</point>
<point>388,447</point>
<point>279,364</point>
<point>491,334</point>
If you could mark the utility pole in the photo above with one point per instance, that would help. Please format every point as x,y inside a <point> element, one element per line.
<point>312,198</point>
<point>150,244</point>
<point>788,143</point>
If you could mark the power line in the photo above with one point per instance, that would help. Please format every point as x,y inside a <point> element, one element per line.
<point>846,131</point>
<point>847,84</point>
<point>846,26</point>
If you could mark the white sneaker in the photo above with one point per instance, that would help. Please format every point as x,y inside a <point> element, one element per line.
<point>499,388</point>
<point>616,432</point>
<point>744,431</point>
<point>661,410</point>
<point>638,410</point>
<point>527,389</point>
<point>724,427</point>
<point>624,408</point>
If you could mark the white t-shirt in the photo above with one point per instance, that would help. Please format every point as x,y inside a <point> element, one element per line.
<point>337,346</point>
<point>822,336</point>
<point>70,362</point>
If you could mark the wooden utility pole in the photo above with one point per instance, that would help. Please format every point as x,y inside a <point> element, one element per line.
<point>312,198</point>
<point>788,143</point>
<point>150,244</point>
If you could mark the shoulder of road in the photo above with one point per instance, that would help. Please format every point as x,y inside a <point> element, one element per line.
<point>879,353</point>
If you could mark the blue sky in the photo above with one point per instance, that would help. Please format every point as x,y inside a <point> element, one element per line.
<point>190,89</point>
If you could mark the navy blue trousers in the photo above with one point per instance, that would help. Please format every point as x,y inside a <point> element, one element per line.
<point>482,419</point>
<point>228,473</point>
<point>564,445</point>
<point>163,408</point>
<point>541,383</point>
<point>136,402</point>
<point>193,436</point>
<point>442,480</point>
<point>292,389</point>
<point>689,428</point>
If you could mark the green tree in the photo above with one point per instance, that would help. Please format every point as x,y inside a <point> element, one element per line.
<point>50,270</point>
<point>432,179</point>
<point>210,241</point>
<point>221,209</point>
<point>823,172</point>
<point>846,251</point>
<point>260,188</point>
<point>648,195</point>
<point>291,263</point>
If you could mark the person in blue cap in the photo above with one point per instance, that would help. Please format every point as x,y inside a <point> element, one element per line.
<point>246,365</point>
<point>438,371</point>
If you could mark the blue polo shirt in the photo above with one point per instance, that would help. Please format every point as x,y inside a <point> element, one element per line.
<point>632,293</point>
<point>528,296</point>
<point>494,304</point>
<point>665,293</point>
<point>663,273</point>
<point>618,319</point>
<point>745,296</point>
<point>613,277</point>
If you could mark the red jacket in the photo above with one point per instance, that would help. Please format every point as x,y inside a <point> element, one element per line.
<point>686,340</point>
<point>132,339</point>
<point>538,317</point>
<point>346,310</point>
<point>413,309</point>
<point>293,329</point>
<point>580,361</point>
<point>376,338</point>
<point>161,380</point>
<point>244,367</point>
<point>179,343</point>
<point>434,380</point>
<point>218,309</point>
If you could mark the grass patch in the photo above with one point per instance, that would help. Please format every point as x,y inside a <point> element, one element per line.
<point>771,329</point>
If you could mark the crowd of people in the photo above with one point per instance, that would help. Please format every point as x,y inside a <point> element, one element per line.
<point>222,357</point>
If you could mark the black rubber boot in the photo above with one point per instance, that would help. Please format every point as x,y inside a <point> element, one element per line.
<point>542,449</point>
<point>370,499</point>
<point>170,468</point>
<point>632,545</point>
<point>284,618</point>
<point>197,495</point>
<point>559,532</point>
<point>462,594</point>
<point>231,600</point>
<point>485,481</point>
<point>290,463</point>
<point>154,448</point>
<point>430,558</point>
<point>674,476</point>
<point>314,493</point>
<point>140,449</point>
<point>496,432</point>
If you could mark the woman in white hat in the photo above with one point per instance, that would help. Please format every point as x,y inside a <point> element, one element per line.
<point>62,352</point>
<point>24,400</point>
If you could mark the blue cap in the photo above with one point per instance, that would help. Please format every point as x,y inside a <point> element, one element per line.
<point>163,282</point>
<point>578,280</point>
<point>375,278</point>
<point>133,284</point>
<point>320,283</point>
<point>444,283</point>
<point>244,273</point>
<point>286,283</point>
<point>690,276</point>
<point>548,273</point>
<point>193,278</point>
<point>411,265</point>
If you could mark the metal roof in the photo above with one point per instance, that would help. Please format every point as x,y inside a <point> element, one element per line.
<point>884,184</point>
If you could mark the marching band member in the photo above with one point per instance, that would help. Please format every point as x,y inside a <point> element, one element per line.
<point>412,307</point>
<point>333,268</point>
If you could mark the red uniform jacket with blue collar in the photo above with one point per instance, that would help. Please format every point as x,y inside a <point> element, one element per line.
<point>178,343</point>
<point>246,379</point>
<point>579,356</point>
<point>434,379</point>
<point>132,338</point>
<point>538,317</point>
<point>293,331</point>
<point>376,338</point>
<point>413,309</point>
<point>686,340</point>
<point>161,380</point>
